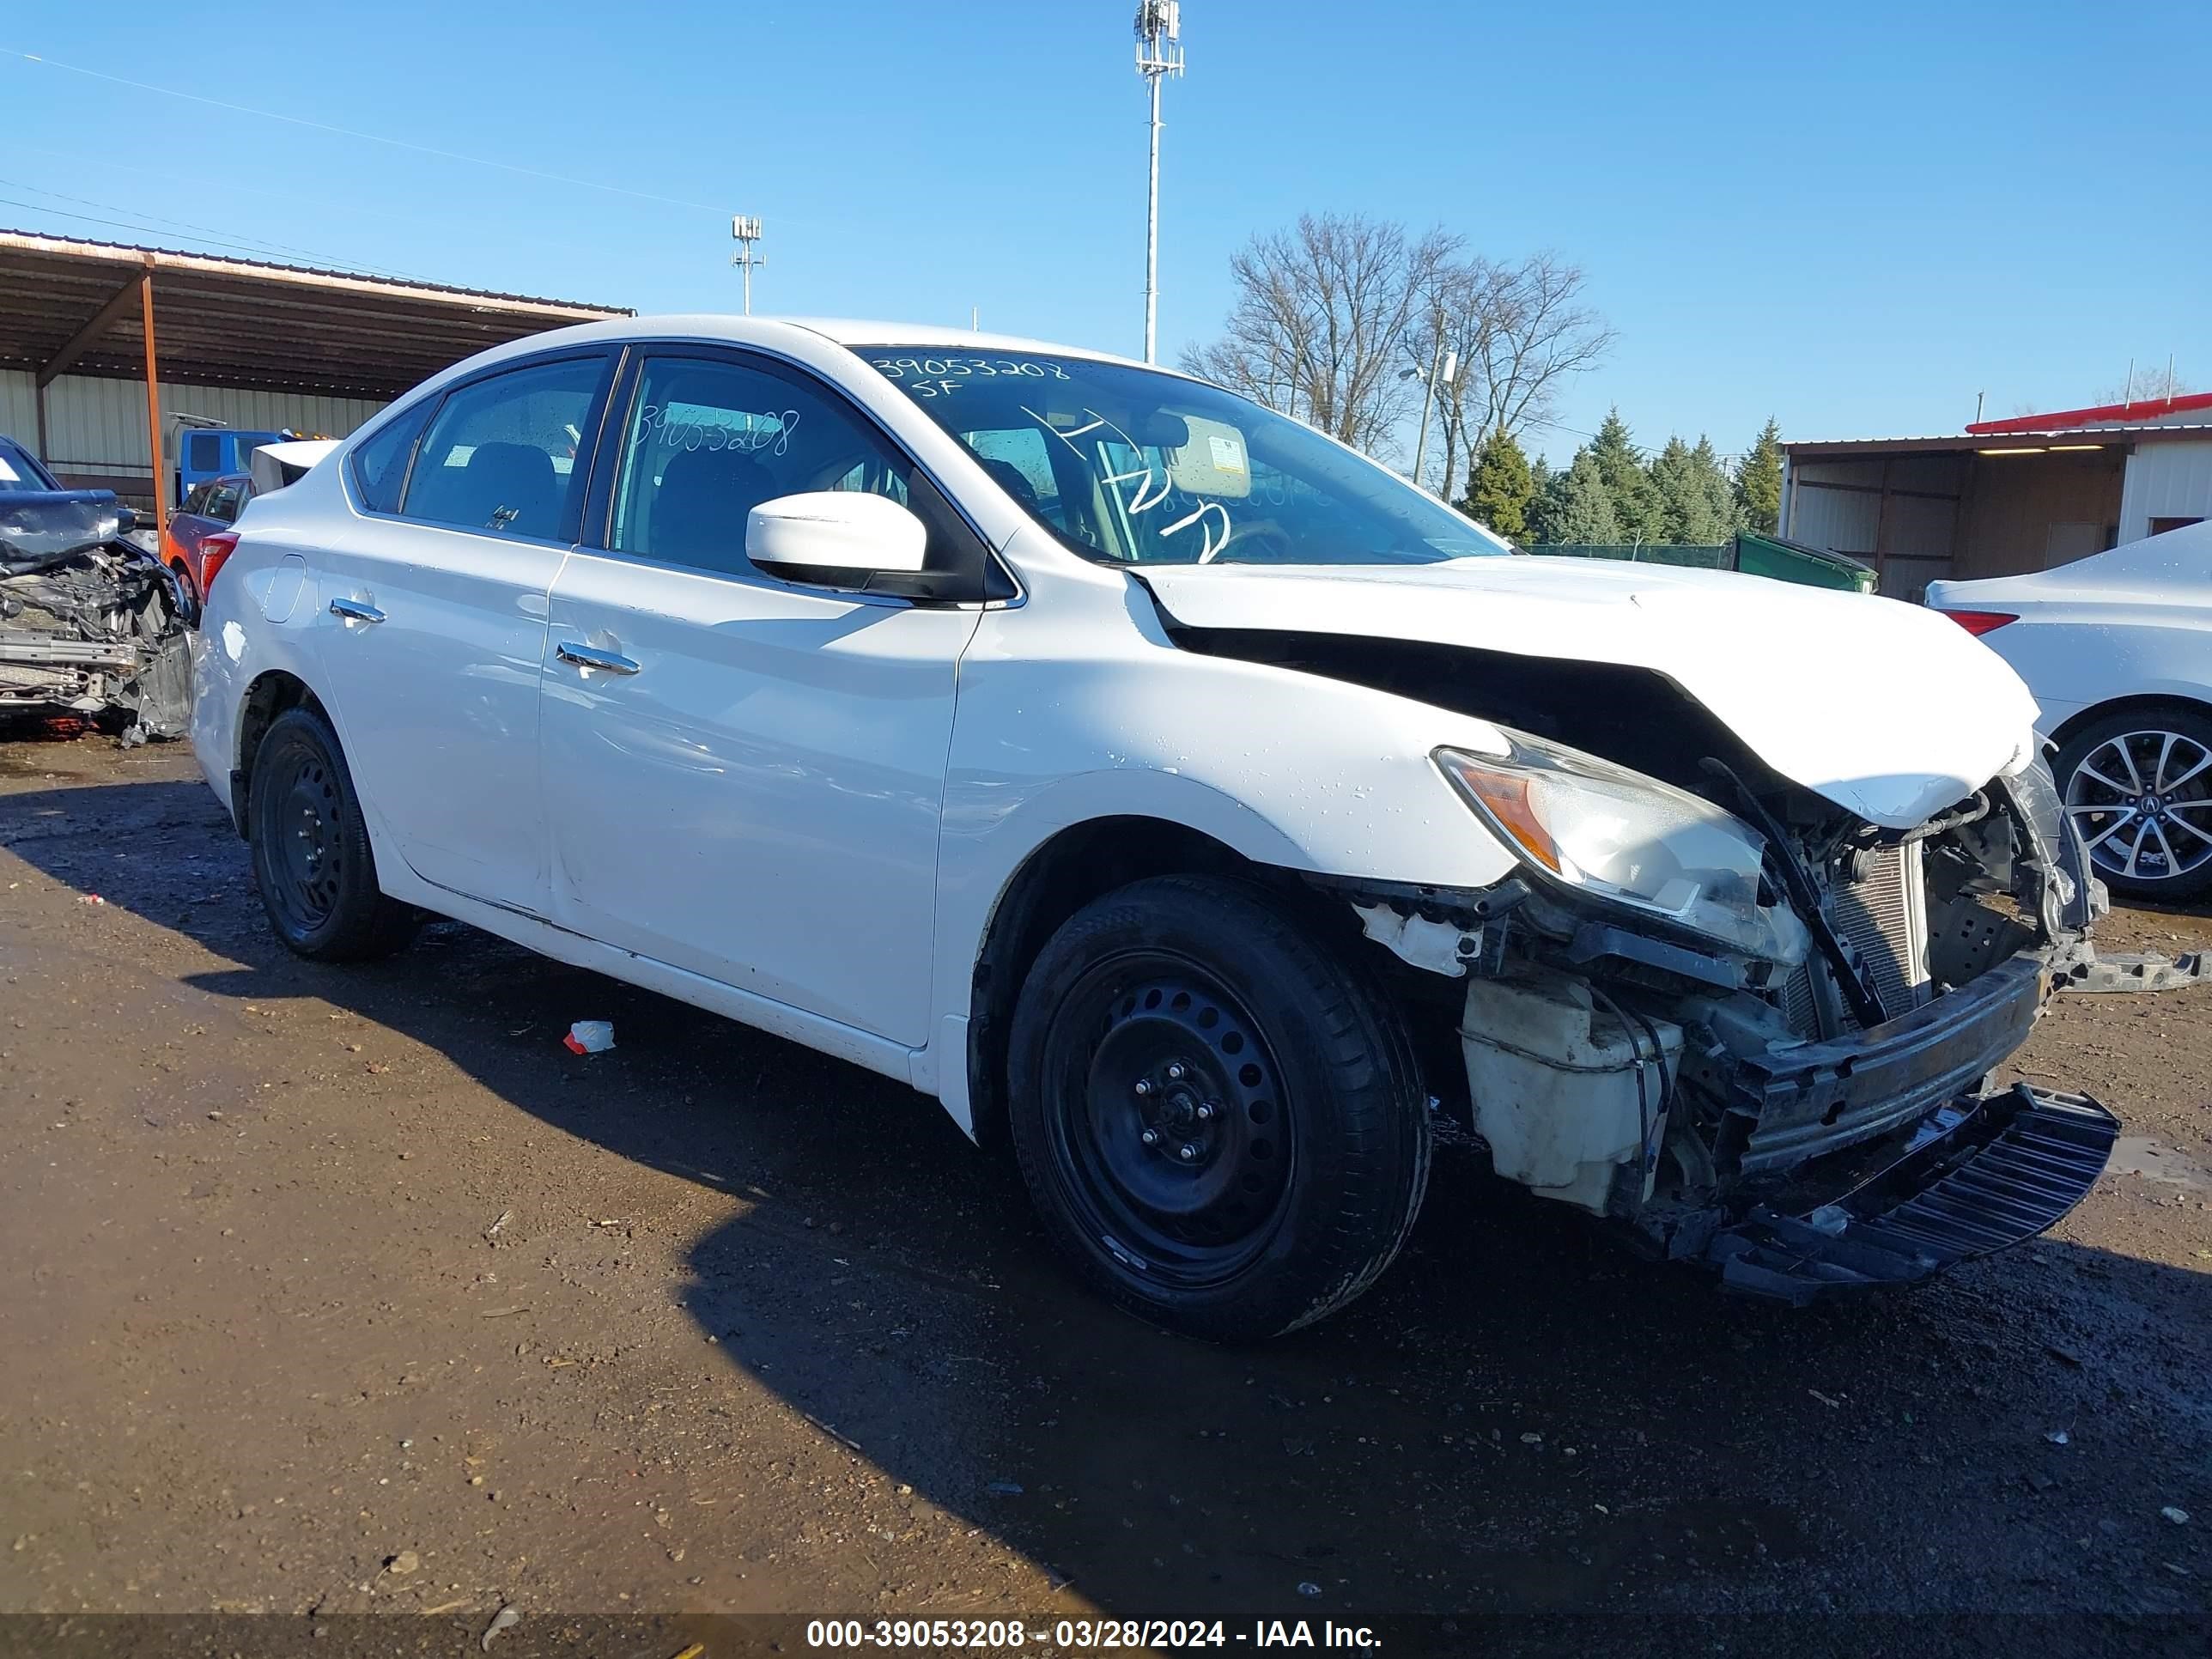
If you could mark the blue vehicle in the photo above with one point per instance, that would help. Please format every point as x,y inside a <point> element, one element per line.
<point>91,622</point>
<point>206,453</point>
<point>21,470</point>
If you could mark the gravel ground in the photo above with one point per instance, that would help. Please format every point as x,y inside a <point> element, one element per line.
<point>334,1292</point>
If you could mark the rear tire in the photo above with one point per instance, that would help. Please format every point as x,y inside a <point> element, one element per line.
<point>312,859</point>
<point>2138,786</point>
<point>1222,1127</point>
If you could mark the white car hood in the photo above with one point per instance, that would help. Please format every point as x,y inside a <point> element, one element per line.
<point>1887,709</point>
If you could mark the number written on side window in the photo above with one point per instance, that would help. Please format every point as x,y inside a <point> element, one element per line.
<point>708,441</point>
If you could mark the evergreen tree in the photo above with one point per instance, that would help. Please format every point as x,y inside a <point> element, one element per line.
<point>1758,482</point>
<point>1635,509</point>
<point>1687,513</point>
<point>1501,489</point>
<point>1545,507</point>
<point>1719,488</point>
<point>1577,507</point>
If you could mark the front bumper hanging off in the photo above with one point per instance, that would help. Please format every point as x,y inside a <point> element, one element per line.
<point>2137,971</point>
<point>1982,1174</point>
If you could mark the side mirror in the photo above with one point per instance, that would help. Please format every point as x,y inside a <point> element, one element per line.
<point>838,539</point>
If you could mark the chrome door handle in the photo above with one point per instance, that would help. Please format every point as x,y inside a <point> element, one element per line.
<point>358,610</point>
<point>585,656</point>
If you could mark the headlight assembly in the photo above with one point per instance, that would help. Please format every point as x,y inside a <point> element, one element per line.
<point>1616,835</point>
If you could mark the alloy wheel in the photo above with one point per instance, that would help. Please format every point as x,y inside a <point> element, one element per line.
<point>2142,804</point>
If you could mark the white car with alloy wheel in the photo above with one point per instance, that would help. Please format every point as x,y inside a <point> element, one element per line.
<point>2117,649</point>
<point>1177,796</point>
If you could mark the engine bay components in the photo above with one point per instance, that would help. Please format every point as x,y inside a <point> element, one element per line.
<point>90,622</point>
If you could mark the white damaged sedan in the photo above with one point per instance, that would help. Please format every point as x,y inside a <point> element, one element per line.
<point>1173,793</point>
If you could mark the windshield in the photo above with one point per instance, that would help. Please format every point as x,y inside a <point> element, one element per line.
<point>1142,467</point>
<point>19,473</point>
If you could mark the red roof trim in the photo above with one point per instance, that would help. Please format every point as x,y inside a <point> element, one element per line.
<point>2144,409</point>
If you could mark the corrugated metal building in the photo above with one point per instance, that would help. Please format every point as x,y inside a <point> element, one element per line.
<point>97,433</point>
<point>86,326</point>
<point>2004,496</point>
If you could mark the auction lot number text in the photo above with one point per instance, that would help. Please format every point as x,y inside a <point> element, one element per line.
<point>1075,1634</point>
<point>1104,1633</point>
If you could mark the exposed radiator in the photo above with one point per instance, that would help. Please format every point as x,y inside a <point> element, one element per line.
<point>1884,921</point>
<point>1884,918</point>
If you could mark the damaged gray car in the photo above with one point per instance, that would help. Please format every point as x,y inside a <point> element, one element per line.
<point>91,624</point>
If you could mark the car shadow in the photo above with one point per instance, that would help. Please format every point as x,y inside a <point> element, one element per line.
<point>1522,1417</point>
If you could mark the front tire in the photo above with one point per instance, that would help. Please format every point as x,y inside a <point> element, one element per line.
<point>1221,1127</point>
<point>2138,787</point>
<point>312,859</point>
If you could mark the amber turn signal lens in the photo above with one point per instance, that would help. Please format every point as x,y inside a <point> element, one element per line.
<point>1505,797</point>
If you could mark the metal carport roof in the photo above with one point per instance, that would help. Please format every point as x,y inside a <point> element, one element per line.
<point>161,315</point>
<point>77,306</point>
<point>2056,439</point>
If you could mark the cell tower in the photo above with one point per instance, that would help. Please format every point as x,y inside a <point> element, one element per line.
<point>746,229</point>
<point>1159,53</point>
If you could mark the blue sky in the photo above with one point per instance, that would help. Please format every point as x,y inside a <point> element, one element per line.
<point>1853,218</point>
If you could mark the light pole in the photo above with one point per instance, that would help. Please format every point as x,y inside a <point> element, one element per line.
<point>1159,53</point>
<point>746,228</point>
<point>1443,370</point>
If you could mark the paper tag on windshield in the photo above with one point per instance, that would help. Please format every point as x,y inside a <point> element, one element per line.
<point>1212,463</point>
<point>8,474</point>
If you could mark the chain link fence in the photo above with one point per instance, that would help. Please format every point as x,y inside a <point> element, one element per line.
<point>1722,557</point>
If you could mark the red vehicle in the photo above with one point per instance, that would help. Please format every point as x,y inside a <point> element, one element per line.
<point>208,507</point>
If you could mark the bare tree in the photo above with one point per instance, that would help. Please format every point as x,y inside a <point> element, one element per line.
<point>1520,330</point>
<point>2144,386</point>
<point>1320,313</point>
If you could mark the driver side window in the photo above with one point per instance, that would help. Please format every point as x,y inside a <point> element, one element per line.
<point>709,441</point>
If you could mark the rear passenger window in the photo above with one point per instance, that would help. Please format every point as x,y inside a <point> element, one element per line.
<point>380,463</point>
<point>501,454</point>
<point>221,502</point>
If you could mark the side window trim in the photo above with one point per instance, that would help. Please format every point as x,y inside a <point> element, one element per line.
<point>426,409</point>
<point>597,527</point>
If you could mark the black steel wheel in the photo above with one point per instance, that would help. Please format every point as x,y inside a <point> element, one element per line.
<point>1219,1123</point>
<point>1182,1155</point>
<point>2138,788</point>
<point>312,858</point>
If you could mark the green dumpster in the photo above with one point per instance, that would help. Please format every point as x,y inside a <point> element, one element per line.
<point>1793,561</point>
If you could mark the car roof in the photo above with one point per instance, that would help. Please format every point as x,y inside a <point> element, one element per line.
<point>779,331</point>
<point>856,331</point>
<point>802,337</point>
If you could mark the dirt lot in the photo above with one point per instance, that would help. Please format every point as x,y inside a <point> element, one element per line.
<point>334,1292</point>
